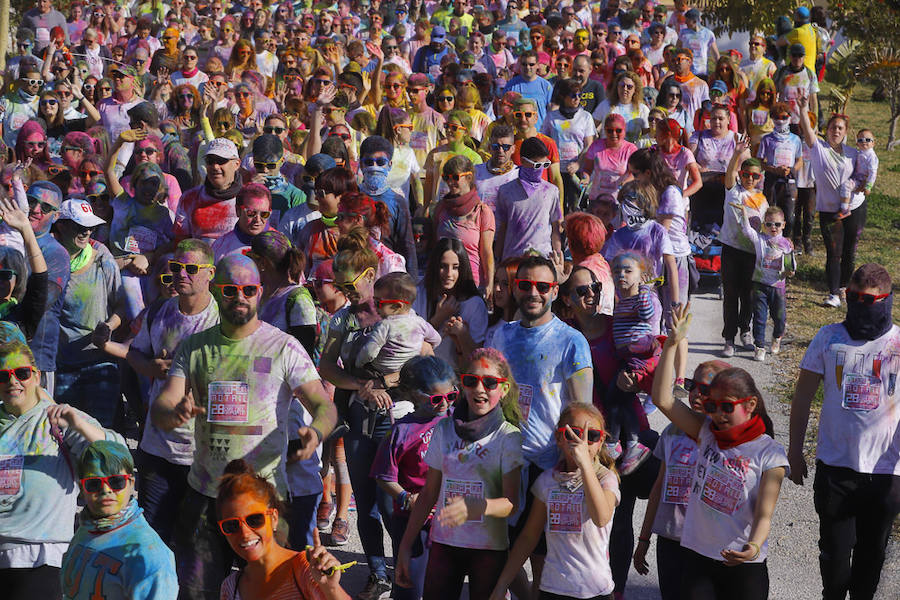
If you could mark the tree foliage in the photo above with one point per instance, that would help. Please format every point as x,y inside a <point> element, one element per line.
<point>745,15</point>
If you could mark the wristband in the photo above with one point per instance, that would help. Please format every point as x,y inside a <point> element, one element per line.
<point>755,546</point>
<point>318,433</point>
<point>644,539</point>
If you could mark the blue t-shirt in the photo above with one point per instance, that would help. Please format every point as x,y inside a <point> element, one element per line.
<point>540,90</point>
<point>45,342</point>
<point>542,359</point>
<point>780,149</point>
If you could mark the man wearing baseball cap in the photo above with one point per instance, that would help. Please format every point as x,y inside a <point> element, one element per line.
<point>86,377</point>
<point>206,212</point>
<point>803,34</point>
<point>795,79</point>
<point>428,58</point>
<point>700,40</point>
<point>114,110</point>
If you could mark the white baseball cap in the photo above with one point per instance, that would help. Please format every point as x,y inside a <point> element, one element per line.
<point>223,148</point>
<point>81,212</point>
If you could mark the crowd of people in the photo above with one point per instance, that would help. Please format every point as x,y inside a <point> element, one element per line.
<point>432,260</point>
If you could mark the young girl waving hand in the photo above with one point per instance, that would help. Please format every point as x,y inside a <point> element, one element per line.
<point>735,482</point>
<point>474,466</point>
<point>574,505</point>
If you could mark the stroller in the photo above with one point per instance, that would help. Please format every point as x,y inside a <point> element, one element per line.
<point>706,250</point>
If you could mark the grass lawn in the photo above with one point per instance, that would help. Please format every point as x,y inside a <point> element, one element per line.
<point>880,243</point>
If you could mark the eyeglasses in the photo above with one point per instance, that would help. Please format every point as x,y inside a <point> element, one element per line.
<point>45,207</point>
<point>455,176</point>
<point>538,165</point>
<point>57,169</point>
<point>148,150</point>
<point>230,290</point>
<point>273,130</point>
<point>593,436</point>
<point>692,384</point>
<point>91,173</point>
<point>265,166</point>
<point>350,286</point>
<point>370,161</point>
<point>321,81</point>
<point>317,283</point>
<point>252,214</point>
<point>867,299</point>
<point>243,94</point>
<point>751,175</point>
<point>403,126</point>
<point>774,224</point>
<point>346,137</point>
<point>711,406</point>
<point>446,98</point>
<point>166,279</point>
<point>438,399</point>
<point>189,57</point>
<point>50,101</point>
<point>543,287</point>
<point>614,130</point>
<point>504,147</point>
<point>97,198</point>
<point>383,301</point>
<point>864,140</point>
<point>189,268</point>
<point>488,381</point>
<point>583,290</point>
<point>88,86</point>
<point>81,230</point>
<point>94,485</point>
<point>519,114</point>
<point>253,521</point>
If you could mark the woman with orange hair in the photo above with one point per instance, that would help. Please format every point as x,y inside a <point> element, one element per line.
<point>248,516</point>
<point>587,235</point>
<point>184,106</point>
<point>243,58</point>
<point>358,211</point>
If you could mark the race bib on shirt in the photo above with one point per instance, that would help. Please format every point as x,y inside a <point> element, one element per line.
<point>784,156</point>
<point>678,484</point>
<point>861,392</point>
<point>229,402</point>
<point>723,489</point>
<point>526,394</point>
<point>11,474</point>
<point>564,511</point>
<point>759,117</point>
<point>18,119</point>
<point>568,150</point>
<point>140,240</point>
<point>464,488</point>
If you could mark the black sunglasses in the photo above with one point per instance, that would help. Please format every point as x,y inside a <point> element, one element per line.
<point>692,384</point>
<point>582,290</point>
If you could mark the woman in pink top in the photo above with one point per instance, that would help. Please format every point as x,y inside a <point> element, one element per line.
<point>461,215</point>
<point>606,160</point>
<point>680,159</point>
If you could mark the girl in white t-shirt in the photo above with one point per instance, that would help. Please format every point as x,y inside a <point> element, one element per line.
<point>573,506</point>
<point>734,484</point>
<point>668,498</point>
<point>474,468</point>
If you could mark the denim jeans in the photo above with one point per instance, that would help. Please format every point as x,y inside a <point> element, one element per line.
<point>418,559</point>
<point>767,299</point>
<point>203,557</point>
<point>373,505</point>
<point>93,389</point>
<point>302,520</point>
<point>161,489</point>
<point>856,512</point>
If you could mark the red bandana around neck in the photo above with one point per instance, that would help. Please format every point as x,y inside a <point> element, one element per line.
<point>735,436</point>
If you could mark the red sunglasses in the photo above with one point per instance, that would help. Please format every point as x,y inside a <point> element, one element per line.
<point>711,406</point>
<point>594,435</point>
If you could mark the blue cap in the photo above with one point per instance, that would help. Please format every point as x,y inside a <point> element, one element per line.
<point>693,14</point>
<point>720,86</point>
<point>45,191</point>
<point>438,34</point>
<point>801,15</point>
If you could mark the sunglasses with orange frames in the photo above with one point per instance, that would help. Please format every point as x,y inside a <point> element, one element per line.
<point>455,176</point>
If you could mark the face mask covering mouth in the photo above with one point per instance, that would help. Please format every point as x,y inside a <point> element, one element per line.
<point>375,180</point>
<point>869,321</point>
<point>782,125</point>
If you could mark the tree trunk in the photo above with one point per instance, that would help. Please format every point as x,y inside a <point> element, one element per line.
<point>4,32</point>
<point>892,132</point>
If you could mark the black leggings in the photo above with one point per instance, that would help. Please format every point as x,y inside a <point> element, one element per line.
<point>707,579</point>
<point>449,565</point>
<point>779,193</point>
<point>804,212</point>
<point>31,584</point>
<point>550,596</point>
<point>669,565</point>
<point>737,290</point>
<point>841,237</point>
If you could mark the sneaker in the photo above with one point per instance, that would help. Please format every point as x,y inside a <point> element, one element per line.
<point>614,450</point>
<point>832,300</point>
<point>376,588</point>
<point>747,341</point>
<point>679,391</point>
<point>760,354</point>
<point>324,514</point>
<point>728,350</point>
<point>798,249</point>
<point>776,345</point>
<point>636,455</point>
<point>340,532</point>
<point>647,404</point>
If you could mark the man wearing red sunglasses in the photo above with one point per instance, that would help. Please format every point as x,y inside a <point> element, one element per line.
<point>857,473</point>
<point>235,381</point>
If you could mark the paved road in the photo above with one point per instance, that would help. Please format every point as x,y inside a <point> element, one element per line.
<point>793,551</point>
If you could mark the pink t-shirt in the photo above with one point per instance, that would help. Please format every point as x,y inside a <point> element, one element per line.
<point>678,161</point>
<point>401,455</point>
<point>610,165</point>
<point>468,230</point>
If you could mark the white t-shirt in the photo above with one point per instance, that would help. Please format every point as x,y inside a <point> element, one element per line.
<point>635,118</point>
<point>577,563</point>
<point>403,166</point>
<point>474,469</point>
<point>860,418</point>
<point>723,496</point>
<point>168,327</point>
<point>488,183</point>
<point>731,233</point>
<point>678,452</point>
<point>831,170</point>
<point>569,134</point>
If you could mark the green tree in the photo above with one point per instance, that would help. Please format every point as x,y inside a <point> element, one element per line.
<point>745,15</point>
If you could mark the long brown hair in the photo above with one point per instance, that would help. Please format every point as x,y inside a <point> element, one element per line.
<point>739,383</point>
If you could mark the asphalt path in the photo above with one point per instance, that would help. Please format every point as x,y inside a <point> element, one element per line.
<point>793,550</point>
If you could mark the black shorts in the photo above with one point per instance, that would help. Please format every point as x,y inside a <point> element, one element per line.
<point>533,472</point>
